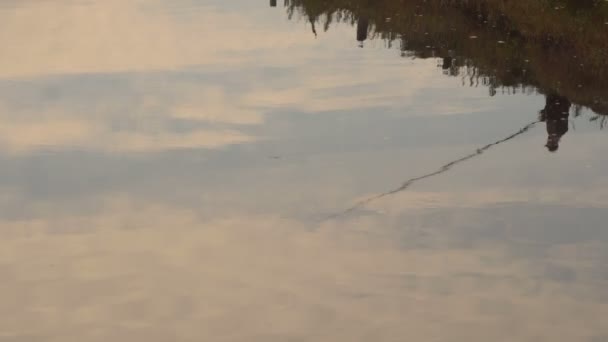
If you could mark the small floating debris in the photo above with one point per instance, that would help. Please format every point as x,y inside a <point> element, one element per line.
<point>501,42</point>
<point>472,37</point>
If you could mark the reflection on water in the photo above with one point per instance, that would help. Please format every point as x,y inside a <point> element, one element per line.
<point>179,170</point>
<point>495,45</point>
<point>555,114</point>
<point>445,168</point>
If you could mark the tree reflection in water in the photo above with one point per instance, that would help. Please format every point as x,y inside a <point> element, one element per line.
<point>561,51</point>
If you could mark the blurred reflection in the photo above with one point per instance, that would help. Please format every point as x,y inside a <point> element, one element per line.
<point>498,46</point>
<point>555,114</point>
<point>155,188</point>
<point>362,28</point>
<point>441,170</point>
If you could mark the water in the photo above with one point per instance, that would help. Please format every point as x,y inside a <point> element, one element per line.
<point>205,170</point>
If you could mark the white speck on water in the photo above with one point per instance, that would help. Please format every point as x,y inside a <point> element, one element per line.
<point>501,42</point>
<point>473,37</point>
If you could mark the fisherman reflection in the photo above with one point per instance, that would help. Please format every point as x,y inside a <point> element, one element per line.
<point>555,114</point>
<point>362,30</point>
<point>447,64</point>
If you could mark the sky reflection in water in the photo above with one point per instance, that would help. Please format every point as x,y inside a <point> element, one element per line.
<point>172,170</point>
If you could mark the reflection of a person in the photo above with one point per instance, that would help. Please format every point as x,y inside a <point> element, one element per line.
<point>447,63</point>
<point>362,28</point>
<point>555,114</point>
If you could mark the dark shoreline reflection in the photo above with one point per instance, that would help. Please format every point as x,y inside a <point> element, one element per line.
<point>562,54</point>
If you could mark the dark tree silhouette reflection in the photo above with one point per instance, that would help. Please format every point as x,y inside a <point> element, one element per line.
<point>561,51</point>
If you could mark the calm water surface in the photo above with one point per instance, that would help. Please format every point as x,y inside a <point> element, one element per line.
<point>206,170</point>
